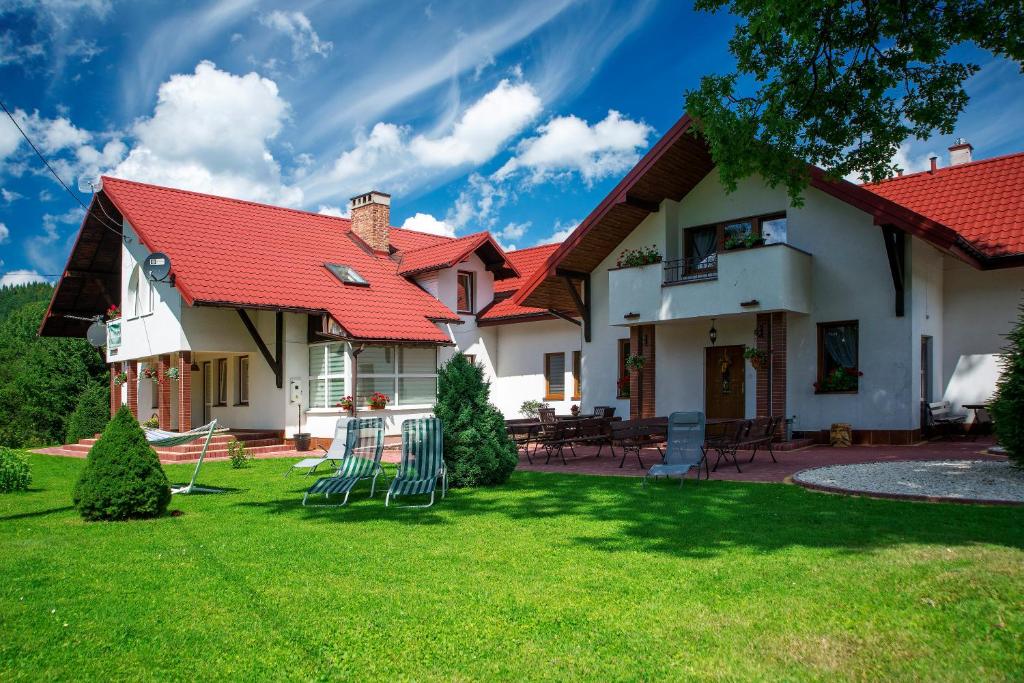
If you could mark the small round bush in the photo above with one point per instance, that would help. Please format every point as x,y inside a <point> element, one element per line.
<point>122,478</point>
<point>477,449</point>
<point>91,414</point>
<point>14,472</point>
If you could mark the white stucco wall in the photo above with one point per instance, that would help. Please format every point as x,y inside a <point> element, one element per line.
<point>519,372</point>
<point>979,308</point>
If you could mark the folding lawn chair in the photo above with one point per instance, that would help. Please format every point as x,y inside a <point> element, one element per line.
<point>363,446</point>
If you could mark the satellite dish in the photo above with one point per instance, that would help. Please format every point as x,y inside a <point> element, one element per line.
<point>88,184</point>
<point>97,334</point>
<point>157,266</point>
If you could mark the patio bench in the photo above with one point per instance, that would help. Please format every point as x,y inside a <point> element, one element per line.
<point>725,439</point>
<point>555,437</point>
<point>761,435</point>
<point>940,419</point>
<point>524,433</point>
<point>632,436</point>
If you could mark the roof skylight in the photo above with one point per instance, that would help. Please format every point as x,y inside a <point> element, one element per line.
<point>347,274</point>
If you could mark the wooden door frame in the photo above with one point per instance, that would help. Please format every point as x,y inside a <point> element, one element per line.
<point>743,380</point>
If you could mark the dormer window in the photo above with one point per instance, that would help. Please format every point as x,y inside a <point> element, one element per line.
<point>347,274</point>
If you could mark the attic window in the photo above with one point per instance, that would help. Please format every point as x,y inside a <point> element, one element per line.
<point>346,274</point>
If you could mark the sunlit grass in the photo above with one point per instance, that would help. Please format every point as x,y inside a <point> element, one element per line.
<point>553,576</point>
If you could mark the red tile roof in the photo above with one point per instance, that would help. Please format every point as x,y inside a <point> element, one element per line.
<point>982,200</point>
<point>448,254</point>
<point>526,262</point>
<point>237,253</point>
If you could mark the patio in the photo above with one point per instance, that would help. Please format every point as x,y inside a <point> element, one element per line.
<point>763,469</point>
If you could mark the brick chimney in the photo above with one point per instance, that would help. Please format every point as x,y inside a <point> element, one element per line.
<point>960,152</point>
<point>371,216</point>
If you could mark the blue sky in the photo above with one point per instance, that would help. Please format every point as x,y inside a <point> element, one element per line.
<point>511,117</point>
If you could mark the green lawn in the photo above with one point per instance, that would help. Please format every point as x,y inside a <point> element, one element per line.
<point>550,577</point>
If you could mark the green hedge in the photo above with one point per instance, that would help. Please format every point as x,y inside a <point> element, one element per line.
<point>91,414</point>
<point>1007,407</point>
<point>15,474</point>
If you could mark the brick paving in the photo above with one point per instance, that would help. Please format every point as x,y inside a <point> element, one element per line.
<point>763,469</point>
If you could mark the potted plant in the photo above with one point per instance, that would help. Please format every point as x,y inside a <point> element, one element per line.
<point>635,362</point>
<point>114,312</point>
<point>623,387</point>
<point>120,378</point>
<point>839,380</point>
<point>531,408</point>
<point>301,438</point>
<point>758,357</point>
<point>378,401</point>
<point>345,403</point>
<point>575,410</point>
<point>173,374</point>
<point>633,258</point>
<point>150,373</point>
<point>752,240</point>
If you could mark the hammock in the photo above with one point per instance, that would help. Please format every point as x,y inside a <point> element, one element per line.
<point>159,437</point>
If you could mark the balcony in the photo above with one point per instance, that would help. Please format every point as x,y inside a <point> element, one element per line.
<point>770,278</point>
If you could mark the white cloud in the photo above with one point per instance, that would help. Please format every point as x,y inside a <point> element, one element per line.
<point>9,196</point>
<point>296,25</point>
<point>209,133</point>
<point>478,203</point>
<point>560,233</point>
<point>483,129</point>
<point>905,159</point>
<point>424,222</point>
<point>52,136</point>
<point>45,251</point>
<point>568,144</point>
<point>389,158</point>
<point>335,211</point>
<point>5,233</point>
<point>514,231</point>
<point>13,278</point>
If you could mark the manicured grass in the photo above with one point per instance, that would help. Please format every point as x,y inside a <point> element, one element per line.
<point>550,577</point>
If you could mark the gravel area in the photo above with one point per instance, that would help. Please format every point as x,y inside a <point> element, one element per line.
<point>959,480</point>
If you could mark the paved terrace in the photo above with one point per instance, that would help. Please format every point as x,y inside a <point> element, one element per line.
<point>763,469</point>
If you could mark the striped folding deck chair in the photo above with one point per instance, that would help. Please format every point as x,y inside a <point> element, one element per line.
<point>364,446</point>
<point>422,461</point>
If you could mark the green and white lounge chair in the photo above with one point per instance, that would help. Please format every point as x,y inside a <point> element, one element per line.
<point>159,437</point>
<point>334,455</point>
<point>422,462</point>
<point>363,445</point>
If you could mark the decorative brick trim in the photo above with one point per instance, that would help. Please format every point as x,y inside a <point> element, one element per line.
<point>184,391</point>
<point>778,365</point>
<point>763,343</point>
<point>115,389</point>
<point>163,388</point>
<point>869,437</point>
<point>641,341</point>
<point>133,387</point>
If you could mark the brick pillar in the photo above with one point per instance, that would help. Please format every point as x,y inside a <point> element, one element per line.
<point>163,386</point>
<point>641,341</point>
<point>184,391</point>
<point>133,387</point>
<point>115,389</point>
<point>763,343</point>
<point>778,364</point>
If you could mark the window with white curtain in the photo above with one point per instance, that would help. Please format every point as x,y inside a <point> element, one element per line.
<point>408,375</point>
<point>326,375</point>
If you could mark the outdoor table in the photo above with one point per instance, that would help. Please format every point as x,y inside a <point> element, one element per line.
<point>982,422</point>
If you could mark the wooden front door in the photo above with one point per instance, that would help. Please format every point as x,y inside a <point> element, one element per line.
<point>723,381</point>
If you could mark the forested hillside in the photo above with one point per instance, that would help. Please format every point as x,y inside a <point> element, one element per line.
<point>41,378</point>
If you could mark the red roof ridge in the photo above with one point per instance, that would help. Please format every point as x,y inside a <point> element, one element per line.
<point>944,170</point>
<point>536,246</point>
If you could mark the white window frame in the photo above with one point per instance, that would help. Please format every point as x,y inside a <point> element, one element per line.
<point>398,375</point>
<point>242,381</point>
<point>328,376</point>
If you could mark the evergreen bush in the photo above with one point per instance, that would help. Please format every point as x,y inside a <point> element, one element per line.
<point>477,449</point>
<point>91,414</point>
<point>122,478</point>
<point>1007,406</point>
<point>14,472</point>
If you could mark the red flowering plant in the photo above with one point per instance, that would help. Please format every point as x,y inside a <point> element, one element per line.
<point>120,378</point>
<point>150,373</point>
<point>378,401</point>
<point>113,312</point>
<point>840,379</point>
<point>345,403</point>
<point>623,387</point>
<point>632,258</point>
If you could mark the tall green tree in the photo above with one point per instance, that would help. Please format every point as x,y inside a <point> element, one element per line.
<point>41,378</point>
<point>842,84</point>
<point>477,449</point>
<point>1008,405</point>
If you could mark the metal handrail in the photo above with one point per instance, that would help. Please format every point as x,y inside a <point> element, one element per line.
<point>691,269</point>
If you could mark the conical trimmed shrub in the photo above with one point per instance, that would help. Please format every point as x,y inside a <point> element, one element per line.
<point>1007,407</point>
<point>477,449</point>
<point>122,478</point>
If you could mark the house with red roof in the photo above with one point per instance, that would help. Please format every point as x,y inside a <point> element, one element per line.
<point>858,306</point>
<point>267,318</point>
